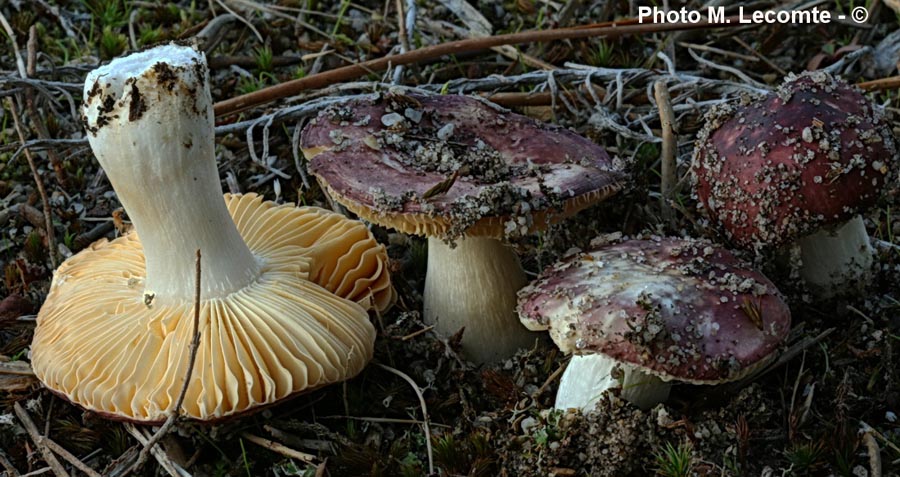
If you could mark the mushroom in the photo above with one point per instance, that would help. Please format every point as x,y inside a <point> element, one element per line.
<point>284,289</point>
<point>798,167</point>
<point>466,174</point>
<point>642,314</point>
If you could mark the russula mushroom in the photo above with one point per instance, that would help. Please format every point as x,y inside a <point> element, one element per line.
<point>642,314</point>
<point>284,289</point>
<point>798,167</point>
<point>467,175</point>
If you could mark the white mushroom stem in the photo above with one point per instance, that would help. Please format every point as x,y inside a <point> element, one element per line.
<point>474,286</point>
<point>589,376</point>
<point>835,258</point>
<point>150,124</point>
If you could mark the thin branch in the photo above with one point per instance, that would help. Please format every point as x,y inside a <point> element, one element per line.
<point>280,448</point>
<point>669,148</point>
<point>7,465</point>
<point>874,454</point>
<point>32,430</point>
<point>164,461</point>
<point>69,457</point>
<point>881,84</point>
<point>345,73</point>
<point>192,357</point>
<point>388,420</point>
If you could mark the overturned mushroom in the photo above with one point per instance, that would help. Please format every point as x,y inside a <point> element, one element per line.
<point>284,290</point>
<point>641,314</point>
<point>798,167</point>
<point>466,174</point>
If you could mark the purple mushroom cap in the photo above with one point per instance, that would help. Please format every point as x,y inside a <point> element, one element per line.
<point>814,153</point>
<point>680,309</point>
<point>450,166</point>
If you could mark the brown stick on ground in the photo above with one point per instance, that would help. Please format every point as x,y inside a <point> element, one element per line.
<point>668,164</point>
<point>290,88</point>
<point>279,448</point>
<point>881,84</point>
<point>69,457</point>
<point>32,430</point>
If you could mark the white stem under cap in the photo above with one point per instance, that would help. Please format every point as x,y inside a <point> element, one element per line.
<point>150,123</point>
<point>474,286</point>
<point>835,259</point>
<point>589,376</point>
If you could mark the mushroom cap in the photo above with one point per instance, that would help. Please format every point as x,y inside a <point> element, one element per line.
<point>679,309</point>
<point>301,325</point>
<point>814,153</point>
<point>387,159</point>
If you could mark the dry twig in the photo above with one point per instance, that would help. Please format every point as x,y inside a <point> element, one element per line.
<point>69,457</point>
<point>164,461</point>
<point>192,357</point>
<point>669,148</point>
<point>45,451</point>
<point>279,448</point>
<point>874,454</point>
<point>293,87</point>
<point>7,465</point>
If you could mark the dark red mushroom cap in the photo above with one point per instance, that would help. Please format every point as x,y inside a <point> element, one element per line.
<point>449,166</point>
<point>812,154</point>
<point>680,309</point>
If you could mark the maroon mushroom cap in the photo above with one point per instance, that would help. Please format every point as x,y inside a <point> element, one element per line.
<point>812,154</point>
<point>677,308</point>
<point>450,166</point>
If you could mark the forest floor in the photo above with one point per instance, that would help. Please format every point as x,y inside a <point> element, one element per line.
<point>828,408</point>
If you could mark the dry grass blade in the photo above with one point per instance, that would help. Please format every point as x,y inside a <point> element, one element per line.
<point>418,392</point>
<point>469,45</point>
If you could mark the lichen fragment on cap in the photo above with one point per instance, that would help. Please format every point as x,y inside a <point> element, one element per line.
<point>772,169</point>
<point>451,166</point>
<point>676,308</point>
<point>301,325</point>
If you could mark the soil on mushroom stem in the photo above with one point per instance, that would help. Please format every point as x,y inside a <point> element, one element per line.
<point>802,418</point>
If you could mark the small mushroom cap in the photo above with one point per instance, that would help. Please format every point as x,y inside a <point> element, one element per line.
<point>394,160</point>
<point>298,327</point>
<point>679,309</point>
<point>814,153</point>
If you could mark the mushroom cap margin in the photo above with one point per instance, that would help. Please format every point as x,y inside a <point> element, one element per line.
<point>538,173</point>
<point>98,345</point>
<point>676,308</point>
